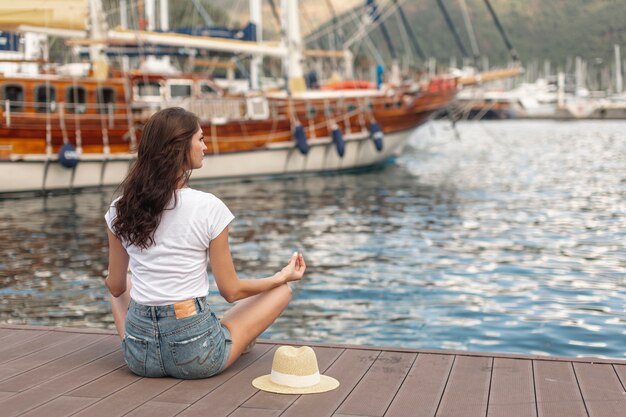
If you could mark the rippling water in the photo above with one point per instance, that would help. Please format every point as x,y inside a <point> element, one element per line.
<point>509,237</point>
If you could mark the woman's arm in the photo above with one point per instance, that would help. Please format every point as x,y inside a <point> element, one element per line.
<point>118,266</point>
<point>231,287</point>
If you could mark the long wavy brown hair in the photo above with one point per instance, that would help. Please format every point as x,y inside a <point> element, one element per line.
<point>162,165</point>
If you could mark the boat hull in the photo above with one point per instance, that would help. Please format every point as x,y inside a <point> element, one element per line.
<point>44,174</point>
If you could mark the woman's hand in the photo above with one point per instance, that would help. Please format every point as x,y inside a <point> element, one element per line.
<point>294,271</point>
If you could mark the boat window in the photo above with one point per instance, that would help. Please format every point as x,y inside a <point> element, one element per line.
<point>370,105</point>
<point>387,105</point>
<point>351,107</point>
<point>15,94</point>
<point>398,103</point>
<point>180,90</point>
<point>76,99</point>
<point>311,111</point>
<point>207,89</point>
<point>148,89</point>
<point>257,108</point>
<point>328,110</point>
<point>105,97</point>
<point>45,98</point>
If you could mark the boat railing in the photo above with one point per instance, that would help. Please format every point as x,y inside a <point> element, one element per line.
<point>7,113</point>
<point>223,109</point>
<point>214,109</point>
<point>211,109</point>
<point>23,114</point>
<point>338,105</point>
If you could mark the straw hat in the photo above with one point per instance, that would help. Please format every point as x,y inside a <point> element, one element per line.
<point>295,371</point>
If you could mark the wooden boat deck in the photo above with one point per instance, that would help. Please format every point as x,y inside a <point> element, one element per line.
<point>61,372</point>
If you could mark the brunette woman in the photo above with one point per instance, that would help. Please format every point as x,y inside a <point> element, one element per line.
<point>168,233</point>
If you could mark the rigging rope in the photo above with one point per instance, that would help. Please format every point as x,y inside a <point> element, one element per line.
<point>470,31</point>
<point>512,50</point>
<point>452,28</point>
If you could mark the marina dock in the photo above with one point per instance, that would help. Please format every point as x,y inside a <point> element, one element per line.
<point>54,371</point>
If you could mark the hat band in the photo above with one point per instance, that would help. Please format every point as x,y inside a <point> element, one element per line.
<point>295,381</point>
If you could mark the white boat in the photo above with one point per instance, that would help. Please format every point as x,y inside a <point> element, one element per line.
<point>79,128</point>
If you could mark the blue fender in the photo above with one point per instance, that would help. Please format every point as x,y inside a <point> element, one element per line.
<point>377,135</point>
<point>300,137</point>
<point>68,157</point>
<point>340,144</point>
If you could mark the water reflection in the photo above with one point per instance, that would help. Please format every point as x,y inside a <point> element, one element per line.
<point>510,239</point>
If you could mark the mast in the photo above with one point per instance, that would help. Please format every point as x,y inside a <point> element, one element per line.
<point>291,25</point>
<point>470,32</point>
<point>97,30</point>
<point>452,28</point>
<point>512,50</point>
<point>164,23</point>
<point>336,38</point>
<point>164,15</point>
<point>124,25</point>
<point>580,83</point>
<point>150,15</point>
<point>255,62</point>
<point>618,71</point>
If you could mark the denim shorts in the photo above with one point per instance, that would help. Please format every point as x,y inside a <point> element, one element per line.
<point>158,344</point>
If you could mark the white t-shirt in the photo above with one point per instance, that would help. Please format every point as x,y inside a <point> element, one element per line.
<point>174,268</point>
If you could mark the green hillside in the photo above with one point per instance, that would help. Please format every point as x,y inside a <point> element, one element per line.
<point>555,30</point>
<point>539,29</point>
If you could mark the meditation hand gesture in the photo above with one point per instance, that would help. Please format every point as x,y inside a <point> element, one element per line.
<point>294,271</point>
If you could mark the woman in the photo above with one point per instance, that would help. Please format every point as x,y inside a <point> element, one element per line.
<point>167,232</point>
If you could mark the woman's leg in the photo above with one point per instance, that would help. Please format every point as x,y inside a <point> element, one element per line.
<point>250,317</point>
<point>119,307</point>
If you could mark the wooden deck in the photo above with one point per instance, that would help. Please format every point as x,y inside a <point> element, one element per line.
<point>62,372</point>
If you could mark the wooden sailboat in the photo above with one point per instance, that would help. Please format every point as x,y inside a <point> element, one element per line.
<point>62,131</point>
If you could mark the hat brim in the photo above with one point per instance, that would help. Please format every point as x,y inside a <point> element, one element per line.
<point>265,383</point>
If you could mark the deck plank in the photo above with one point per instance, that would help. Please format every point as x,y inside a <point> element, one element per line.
<point>602,391</point>
<point>620,370</point>
<point>43,342</point>
<point>421,392</point>
<point>557,391</point>
<point>96,347</point>
<point>190,391</point>
<point>106,384</point>
<point>17,338</point>
<point>349,368</point>
<point>34,359</point>
<point>268,400</point>
<point>128,398</point>
<point>377,389</point>
<point>224,399</point>
<point>60,407</point>
<point>157,409</point>
<point>512,391</point>
<point>55,387</point>
<point>5,394</point>
<point>467,391</point>
<point>4,333</point>
<point>82,372</point>
<point>255,412</point>
<point>348,415</point>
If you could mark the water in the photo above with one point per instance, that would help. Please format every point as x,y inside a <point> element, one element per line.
<point>509,239</point>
